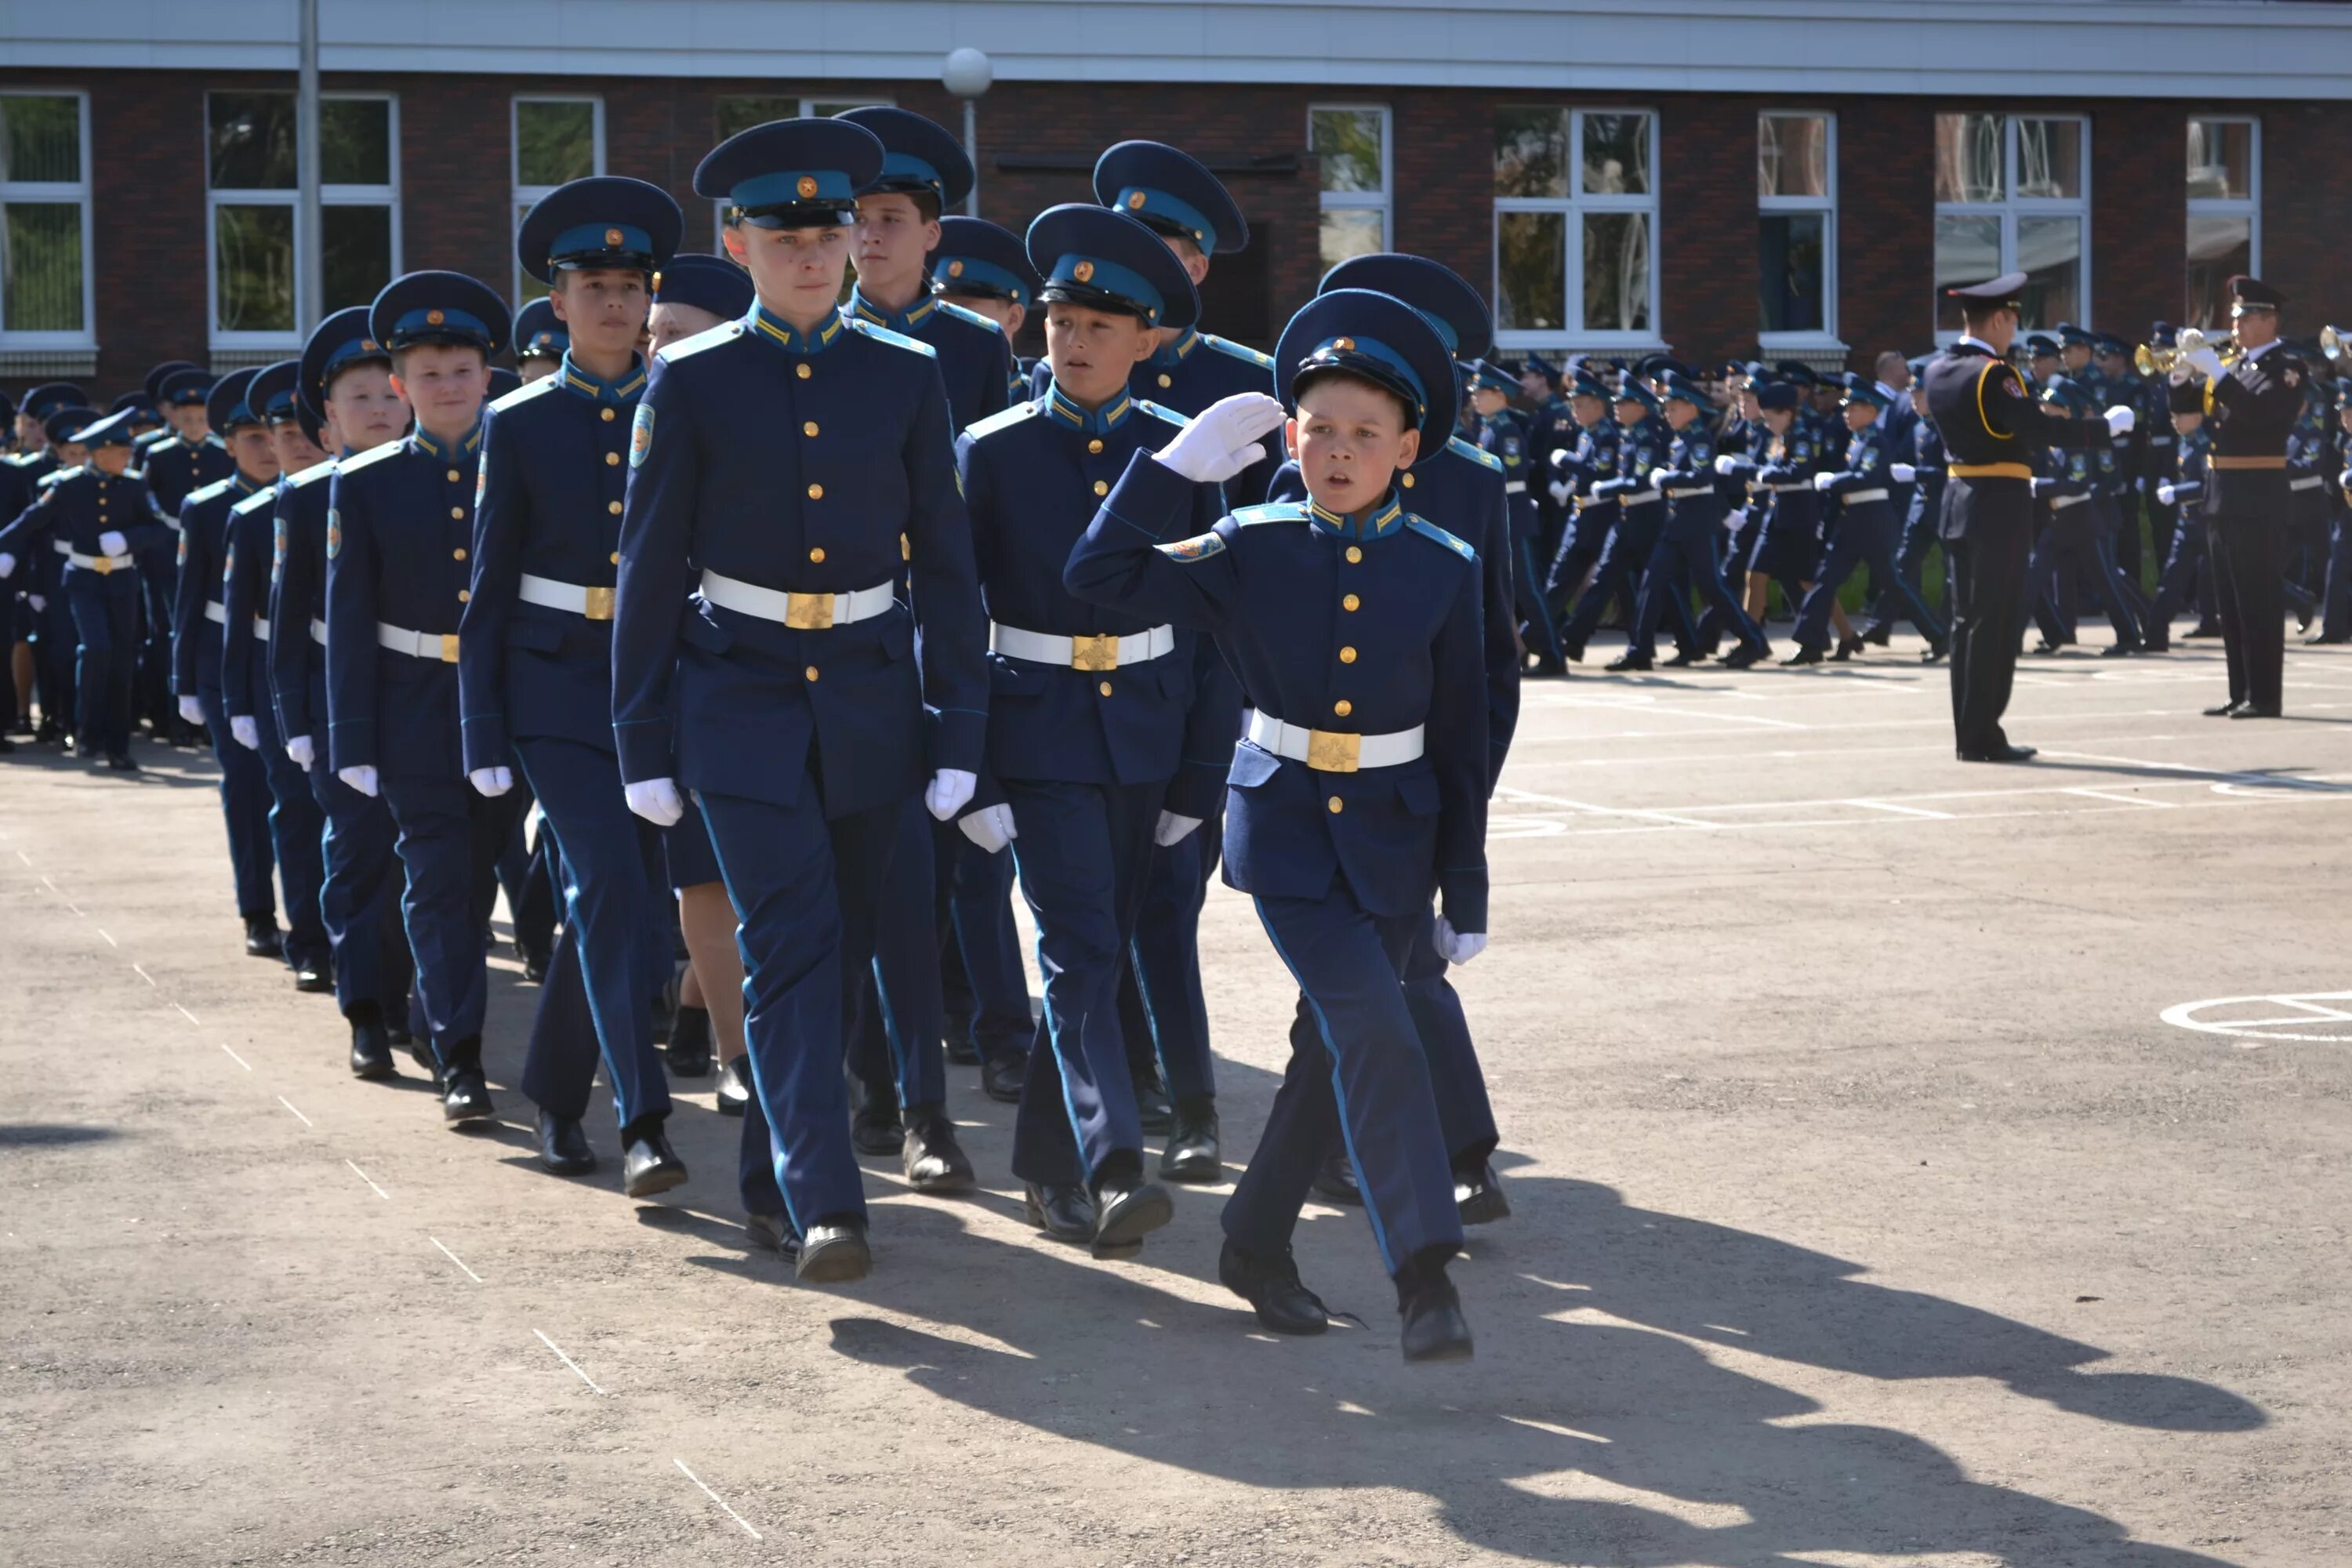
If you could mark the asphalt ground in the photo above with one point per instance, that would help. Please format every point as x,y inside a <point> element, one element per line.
<point>1868,1207</point>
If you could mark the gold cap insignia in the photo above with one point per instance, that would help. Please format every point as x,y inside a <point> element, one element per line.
<point>433,318</point>
<point>1084,271</point>
<point>807,187</point>
<point>611,236</point>
<point>1343,345</point>
<point>1134,199</point>
<point>367,345</point>
<point>955,269</point>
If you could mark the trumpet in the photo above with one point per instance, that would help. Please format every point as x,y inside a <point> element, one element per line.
<point>2152,360</point>
<point>2331,342</point>
<point>2226,348</point>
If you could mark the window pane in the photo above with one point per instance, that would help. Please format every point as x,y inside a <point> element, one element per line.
<point>357,259</point>
<point>1616,154</point>
<point>826,108</point>
<point>1352,231</point>
<point>2221,159</point>
<point>1349,141</point>
<point>739,113</point>
<point>1790,286</point>
<point>555,140</point>
<point>1532,249</point>
<point>252,140</point>
<point>2049,157</point>
<point>1968,250</point>
<point>1792,155</point>
<point>252,263</point>
<point>1616,272</point>
<point>355,142</point>
<point>2050,254</point>
<point>1531,152</point>
<point>40,138</point>
<point>40,267</point>
<point>1967,158</point>
<point>2219,248</point>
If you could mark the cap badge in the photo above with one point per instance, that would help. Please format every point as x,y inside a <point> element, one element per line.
<point>1343,345</point>
<point>1084,271</point>
<point>1134,199</point>
<point>367,345</point>
<point>611,236</point>
<point>807,186</point>
<point>955,269</point>
<point>433,318</point>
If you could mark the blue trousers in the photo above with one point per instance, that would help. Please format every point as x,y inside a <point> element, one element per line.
<point>357,896</point>
<point>980,979</point>
<point>2079,548</point>
<point>298,833</point>
<point>1863,538</point>
<point>1620,573</point>
<point>1530,603</point>
<point>558,1062</point>
<point>53,659</point>
<point>106,663</point>
<point>1910,568</point>
<point>609,861</point>
<point>1084,855</point>
<point>435,817</point>
<point>1676,565</point>
<point>1362,1079</point>
<point>1163,1013</point>
<point>806,892</point>
<point>2335,603</point>
<point>901,1021</point>
<point>245,804</point>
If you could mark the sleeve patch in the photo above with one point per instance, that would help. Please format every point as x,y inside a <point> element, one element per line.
<point>641,435</point>
<point>1201,547</point>
<point>334,535</point>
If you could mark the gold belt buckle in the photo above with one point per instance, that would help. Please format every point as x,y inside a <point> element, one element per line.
<point>809,612</point>
<point>600,604</point>
<point>1329,752</point>
<point>102,564</point>
<point>448,647</point>
<point>1094,654</point>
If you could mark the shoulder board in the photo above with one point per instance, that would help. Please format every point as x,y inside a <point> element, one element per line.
<point>1272,512</point>
<point>523,394</point>
<point>372,457</point>
<point>949,308</point>
<point>262,499</point>
<point>212,440</point>
<point>1167,416</point>
<point>153,439</point>
<point>1002,419</point>
<point>1239,351</point>
<point>212,491</point>
<point>885,335</point>
<point>325,471</point>
<point>139,474</point>
<point>56,477</point>
<point>21,459</point>
<point>1429,529</point>
<point>1455,444</point>
<point>724,332</point>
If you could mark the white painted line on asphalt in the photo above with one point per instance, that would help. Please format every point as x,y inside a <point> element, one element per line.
<point>574,1366</point>
<point>713,1496</point>
<point>1897,809</point>
<point>1602,810</point>
<point>2126,799</point>
<point>234,1057</point>
<point>191,1017</point>
<point>2017,720</point>
<point>144,975</point>
<point>47,882</point>
<point>363,1176</point>
<point>110,939</point>
<point>475,1277</point>
<point>27,860</point>
<point>290,1105</point>
<point>2219,775</point>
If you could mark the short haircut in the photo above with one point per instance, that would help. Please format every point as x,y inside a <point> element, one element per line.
<point>1888,357</point>
<point>1976,313</point>
<point>335,377</point>
<point>400,356</point>
<point>1315,378</point>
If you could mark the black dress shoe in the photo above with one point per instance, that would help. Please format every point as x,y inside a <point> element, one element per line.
<point>1685,657</point>
<point>957,1038</point>
<point>2248,711</point>
<point>371,1048</point>
<point>2227,711</point>
<point>1064,1212</point>
<point>1157,1112</point>
<point>120,763</point>
<point>261,938</point>
<point>2045,648</point>
<point>466,1097</point>
<point>1001,1079</point>
<point>1549,669</point>
<point>689,1051</point>
<point>1573,652</point>
<point>1193,1153</point>
<point>395,1027</point>
<point>563,1148</point>
<point>648,1164</point>
<point>735,1087</point>
<point>2119,650</point>
<point>1630,663</point>
<point>1270,1285</point>
<point>1881,636</point>
<point>2000,754</point>
<point>2326,639</point>
<point>1336,1180</point>
<point>1478,1195</point>
<point>2204,629</point>
<point>834,1253</point>
<point>1802,656</point>
<point>774,1232</point>
<point>1434,1328</point>
<point>875,1129</point>
<point>934,1162</point>
<point>534,968</point>
<point>2155,644</point>
<point>311,979</point>
<point>1125,1215</point>
<point>1743,657</point>
<point>1935,653</point>
<point>1847,648</point>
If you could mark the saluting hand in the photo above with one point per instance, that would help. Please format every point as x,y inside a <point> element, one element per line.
<point>1223,439</point>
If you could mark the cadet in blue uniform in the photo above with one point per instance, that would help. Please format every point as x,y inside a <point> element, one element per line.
<point>177,459</point>
<point>1780,479</point>
<point>1860,489</point>
<point>535,649</point>
<point>2179,494</point>
<point>2071,546</point>
<point>1088,710</point>
<point>1639,446</point>
<point>1502,436</point>
<point>400,528</point>
<point>49,617</point>
<point>984,268</point>
<point>346,386</point>
<point>1588,518</point>
<point>797,459</point>
<point>1689,550</point>
<point>540,341</point>
<point>200,615</point>
<point>1345,610</point>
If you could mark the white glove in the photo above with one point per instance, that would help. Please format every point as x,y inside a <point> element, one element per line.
<point>1824,481</point>
<point>1901,473</point>
<point>1458,946</point>
<point>2120,419</point>
<point>1173,829</point>
<point>38,601</point>
<point>2204,361</point>
<point>1726,465</point>
<point>991,827</point>
<point>360,779</point>
<point>246,733</point>
<point>1223,439</point>
<point>2164,494</point>
<point>657,800</point>
<point>112,542</point>
<point>1560,491</point>
<point>298,747</point>
<point>192,711</point>
<point>492,782</point>
<point>1558,455</point>
<point>949,792</point>
<point>8,564</point>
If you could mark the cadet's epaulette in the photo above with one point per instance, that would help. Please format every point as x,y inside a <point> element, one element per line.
<point>139,474</point>
<point>724,332</point>
<point>1239,351</point>
<point>1429,529</point>
<point>373,455</point>
<point>1167,415</point>
<point>1002,419</point>
<point>267,496</point>
<point>22,459</point>
<point>325,471</point>
<point>885,335</point>
<point>212,491</point>
<point>56,477</point>
<point>950,308</point>
<point>1272,512</point>
<point>1475,453</point>
<point>523,394</point>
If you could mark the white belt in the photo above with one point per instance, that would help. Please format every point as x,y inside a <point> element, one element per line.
<point>1786,489</point>
<point>595,604</point>
<point>1515,487</point>
<point>216,611</point>
<point>2159,440</point>
<point>442,646</point>
<point>2308,482</point>
<point>61,547</point>
<point>261,628</point>
<point>1639,498</point>
<point>1694,490</point>
<point>318,631</point>
<point>1087,653</point>
<point>1853,496</point>
<point>102,564</point>
<point>803,612</point>
<point>1329,752</point>
<point>2060,503</point>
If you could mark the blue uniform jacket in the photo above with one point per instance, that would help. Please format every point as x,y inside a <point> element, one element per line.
<point>1865,471</point>
<point>974,357</point>
<point>177,469</point>
<point>1640,448</point>
<point>1928,477</point>
<point>298,601</point>
<point>1364,628</point>
<point>204,551</point>
<point>1688,464</point>
<point>245,599</point>
<point>1780,481</point>
<point>1592,460</point>
<point>1199,368</point>
<point>2189,466</point>
<point>74,507</point>
<point>810,464</point>
<point>400,524</point>
<point>554,473</point>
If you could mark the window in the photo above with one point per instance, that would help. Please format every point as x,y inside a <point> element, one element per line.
<point>556,140</point>
<point>45,276</point>
<point>1576,211</point>
<point>737,112</point>
<point>1796,200</point>
<point>2012,194</point>
<point>1353,146</point>
<point>253,180</point>
<point>2225,214</point>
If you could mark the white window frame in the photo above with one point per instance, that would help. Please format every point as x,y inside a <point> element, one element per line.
<point>1827,207</point>
<point>12,340</point>
<point>1576,206</point>
<point>1363,201</point>
<point>2013,206</point>
<point>523,195</point>
<point>817,106</point>
<point>2249,206</point>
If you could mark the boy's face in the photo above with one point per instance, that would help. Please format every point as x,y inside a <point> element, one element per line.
<point>443,382</point>
<point>1749,408</point>
<point>1777,420</point>
<point>110,458</point>
<point>997,308</point>
<point>1860,416</point>
<point>256,453</point>
<point>1195,259</point>
<point>1586,409</point>
<point>602,308</point>
<point>2075,356</point>
<point>1093,352</point>
<point>365,408</point>
<point>2185,420</point>
<point>1629,412</point>
<point>1349,437</point>
<point>796,272</point>
<point>71,454</point>
<point>1489,401</point>
<point>31,436</point>
<point>893,238</point>
<point>1680,414</point>
<point>675,322</point>
<point>295,450</point>
<point>1533,386</point>
<point>188,419</point>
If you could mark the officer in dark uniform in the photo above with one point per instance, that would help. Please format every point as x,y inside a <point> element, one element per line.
<point>540,341</point>
<point>1689,550</point>
<point>790,694</point>
<point>1991,428</point>
<point>1859,488</point>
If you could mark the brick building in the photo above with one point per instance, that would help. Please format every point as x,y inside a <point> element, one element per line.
<point>1726,180</point>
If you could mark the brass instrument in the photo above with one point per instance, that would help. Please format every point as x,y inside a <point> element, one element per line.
<point>2192,339</point>
<point>2331,342</point>
<point>2150,361</point>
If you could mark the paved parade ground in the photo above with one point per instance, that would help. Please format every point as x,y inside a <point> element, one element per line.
<point>1912,1162</point>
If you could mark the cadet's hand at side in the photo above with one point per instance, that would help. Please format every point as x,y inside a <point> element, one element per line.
<point>1824,481</point>
<point>247,733</point>
<point>112,542</point>
<point>949,792</point>
<point>1901,473</point>
<point>991,827</point>
<point>2164,495</point>
<point>192,711</point>
<point>1223,439</point>
<point>492,782</point>
<point>8,564</point>
<point>657,800</point>
<point>2120,419</point>
<point>360,779</point>
<point>1173,829</point>
<point>1726,465</point>
<point>298,747</point>
<point>1458,946</point>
